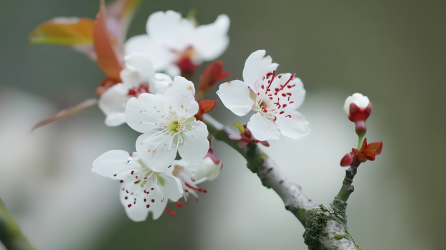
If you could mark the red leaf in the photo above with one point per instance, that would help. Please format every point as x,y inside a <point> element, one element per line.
<point>347,160</point>
<point>369,154</point>
<point>210,76</point>
<point>207,106</point>
<point>108,59</point>
<point>375,147</point>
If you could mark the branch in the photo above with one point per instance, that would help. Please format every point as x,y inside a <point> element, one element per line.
<point>10,234</point>
<point>325,226</point>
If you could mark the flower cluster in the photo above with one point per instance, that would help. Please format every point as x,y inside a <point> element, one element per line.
<point>147,86</point>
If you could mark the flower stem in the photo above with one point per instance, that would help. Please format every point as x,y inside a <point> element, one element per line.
<point>10,234</point>
<point>360,139</point>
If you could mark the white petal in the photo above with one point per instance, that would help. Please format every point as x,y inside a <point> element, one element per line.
<point>297,93</point>
<point>141,114</point>
<point>295,126</point>
<point>211,40</point>
<point>256,67</point>
<point>115,164</point>
<point>161,157</point>
<point>136,210</point>
<point>235,95</point>
<point>160,55</point>
<point>208,169</point>
<point>138,69</point>
<point>112,102</point>
<point>196,144</point>
<point>170,29</point>
<point>161,82</point>
<point>114,120</point>
<point>173,189</point>
<point>160,204</point>
<point>361,101</point>
<point>172,70</point>
<point>263,128</point>
<point>182,92</point>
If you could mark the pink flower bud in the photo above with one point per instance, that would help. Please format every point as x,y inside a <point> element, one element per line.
<point>358,109</point>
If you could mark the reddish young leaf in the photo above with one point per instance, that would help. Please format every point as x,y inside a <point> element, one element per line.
<point>207,106</point>
<point>108,59</point>
<point>64,31</point>
<point>369,154</point>
<point>210,76</point>
<point>375,147</point>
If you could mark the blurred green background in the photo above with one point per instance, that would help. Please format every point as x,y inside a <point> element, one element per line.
<point>392,51</point>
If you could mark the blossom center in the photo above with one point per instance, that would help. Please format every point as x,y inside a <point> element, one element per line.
<point>174,126</point>
<point>272,97</point>
<point>140,89</point>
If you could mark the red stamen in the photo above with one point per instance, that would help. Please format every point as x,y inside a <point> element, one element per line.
<point>179,204</point>
<point>173,213</point>
<point>196,189</point>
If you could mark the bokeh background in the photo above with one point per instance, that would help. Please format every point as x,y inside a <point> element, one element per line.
<point>392,51</point>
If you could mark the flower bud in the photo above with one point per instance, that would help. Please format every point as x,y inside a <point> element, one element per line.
<point>358,109</point>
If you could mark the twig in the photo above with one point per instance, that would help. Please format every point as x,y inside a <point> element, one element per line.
<point>10,234</point>
<point>326,227</point>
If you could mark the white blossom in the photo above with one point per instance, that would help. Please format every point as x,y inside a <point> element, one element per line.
<point>172,40</point>
<point>274,99</point>
<point>143,189</point>
<point>168,124</point>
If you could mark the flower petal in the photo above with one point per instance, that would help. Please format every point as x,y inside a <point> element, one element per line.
<point>115,164</point>
<point>140,113</point>
<point>256,67</point>
<point>161,56</point>
<point>235,95</point>
<point>113,102</point>
<point>155,151</point>
<point>297,92</point>
<point>138,69</point>
<point>182,93</point>
<point>132,198</point>
<point>295,126</point>
<point>170,29</point>
<point>208,169</point>
<point>157,208</point>
<point>211,40</point>
<point>161,83</point>
<point>173,189</point>
<point>263,128</point>
<point>196,144</point>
